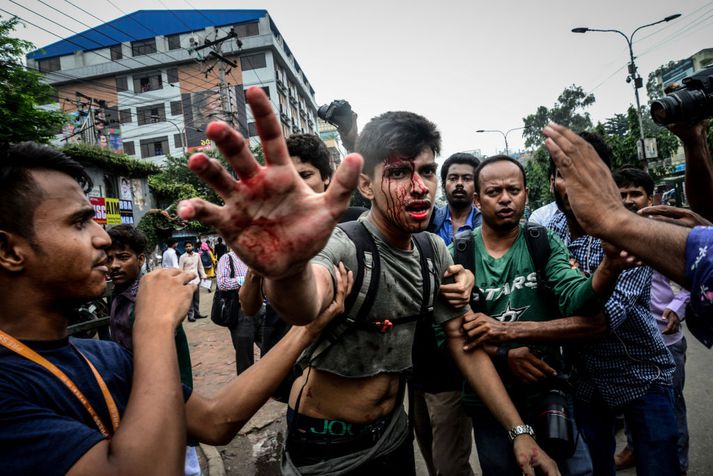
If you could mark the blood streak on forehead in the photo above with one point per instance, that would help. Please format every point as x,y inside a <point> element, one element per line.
<point>397,160</point>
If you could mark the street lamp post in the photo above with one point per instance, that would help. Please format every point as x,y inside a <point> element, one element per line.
<point>182,132</point>
<point>633,75</point>
<point>504,134</point>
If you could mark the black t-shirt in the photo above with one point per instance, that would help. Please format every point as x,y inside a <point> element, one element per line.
<point>44,429</point>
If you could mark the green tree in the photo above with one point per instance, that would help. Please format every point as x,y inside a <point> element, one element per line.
<point>568,111</point>
<point>21,91</point>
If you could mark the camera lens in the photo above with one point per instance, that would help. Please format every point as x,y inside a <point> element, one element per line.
<point>322,112</point>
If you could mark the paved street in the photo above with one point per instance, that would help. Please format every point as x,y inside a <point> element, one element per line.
<point>255,451</point>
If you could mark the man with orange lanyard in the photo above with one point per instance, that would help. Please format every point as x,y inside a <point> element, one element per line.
<point>87,407</point>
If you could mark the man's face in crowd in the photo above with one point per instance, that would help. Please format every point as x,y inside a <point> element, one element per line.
<point>502,196</point>
<point>189,248</point>
<point>460,187</point>
<point>310,175</point>
<point>634,198</point>
<point>124,265</point>
<point>69,262</point>
<point>402,190</point>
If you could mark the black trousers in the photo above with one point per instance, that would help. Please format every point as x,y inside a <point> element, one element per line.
<point>245,334</point>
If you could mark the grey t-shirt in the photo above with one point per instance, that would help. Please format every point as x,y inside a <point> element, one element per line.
<point>364,353</point>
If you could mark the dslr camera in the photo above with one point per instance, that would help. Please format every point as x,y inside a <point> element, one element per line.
<point>689,104</point>
<point>553,424</point>
<point>338,113</point>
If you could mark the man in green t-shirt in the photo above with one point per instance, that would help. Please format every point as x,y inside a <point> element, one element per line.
<point>521,325</point>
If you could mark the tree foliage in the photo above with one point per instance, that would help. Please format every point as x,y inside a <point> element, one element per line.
<point>21,91</point>
<point>568,111</point>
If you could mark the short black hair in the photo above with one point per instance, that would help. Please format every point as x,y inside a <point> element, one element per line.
<point>458,158</point>
<point>19,193</point>
<point>492,160</point>
<point>171,241</point>
<point>633,177</point>
<point>311,150</point>
<point>396,133</point>
<point>220,240</point>
<point>603,150</point>
<point>126,236</point>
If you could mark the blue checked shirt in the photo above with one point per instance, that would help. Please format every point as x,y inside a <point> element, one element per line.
<point>623,364</point>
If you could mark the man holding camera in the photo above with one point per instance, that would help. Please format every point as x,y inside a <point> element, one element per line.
<point>517,323</point>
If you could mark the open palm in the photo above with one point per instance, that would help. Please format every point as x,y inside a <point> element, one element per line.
<point>271,218</point>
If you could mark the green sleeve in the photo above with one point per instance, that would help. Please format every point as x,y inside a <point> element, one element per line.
<point>184,357</point>
<point>572,288</point>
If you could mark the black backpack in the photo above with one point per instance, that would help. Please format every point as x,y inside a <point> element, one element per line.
<point>205,259</point>
<point>360,300</point>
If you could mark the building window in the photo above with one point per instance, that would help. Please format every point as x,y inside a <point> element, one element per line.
<point>129,148</point>
<point>151,114</point>
<point>143,47</point>
<point>154,147</point>
<point>176,108</point>
<point>125,116</point>
<point>252,130</point>
<point>49,65</point>
<point>150,82</point>
<point>116,53</point>
<point>247,29</point>
<point>253,61</point>
<point>172,75</point>
<point>122,84</point>
<point>174,42</point>
<point>178,140</point>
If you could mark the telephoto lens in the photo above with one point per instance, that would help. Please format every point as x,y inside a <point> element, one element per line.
<point>554,429</point>
<point>687,105</point>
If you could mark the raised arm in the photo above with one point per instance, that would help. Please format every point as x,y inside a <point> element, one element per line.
<point>597,204</point>
<point>152,436</point>
<point>699,166</point>
<point>271,218</point>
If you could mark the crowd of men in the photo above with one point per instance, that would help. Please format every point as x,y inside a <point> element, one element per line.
<point>532,337</point>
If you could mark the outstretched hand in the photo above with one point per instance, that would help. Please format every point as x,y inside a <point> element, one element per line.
<point>591,190</point>
<point>271,218</point>
<point>675,215</point>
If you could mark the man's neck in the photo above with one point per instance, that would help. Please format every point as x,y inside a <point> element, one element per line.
<point>460,214</point>
<point>27,315</point>
<point>575,230</point>
<point>392,235</point>
<point>498,242</point>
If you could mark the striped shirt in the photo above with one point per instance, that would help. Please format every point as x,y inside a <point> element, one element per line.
<point>623,364</point>
<point>225,282</point>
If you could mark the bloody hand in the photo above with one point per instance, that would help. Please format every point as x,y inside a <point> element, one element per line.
<point>271,218</point>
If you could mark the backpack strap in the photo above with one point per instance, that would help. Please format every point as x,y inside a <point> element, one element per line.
<point>538,244</point>
<point>464,254</point>
<point>361,298</point>
<point>428,271</point>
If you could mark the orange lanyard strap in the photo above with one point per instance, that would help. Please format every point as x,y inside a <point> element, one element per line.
<point>21,349</point>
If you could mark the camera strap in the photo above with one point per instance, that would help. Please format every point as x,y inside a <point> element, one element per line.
<point>21,349</point>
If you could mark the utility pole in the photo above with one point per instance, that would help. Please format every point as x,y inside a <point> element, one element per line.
<point>223,88</point>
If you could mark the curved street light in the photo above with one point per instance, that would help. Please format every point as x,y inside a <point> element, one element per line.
<point>181,132</point>
<point>504,134</point>
<point>633,75</point>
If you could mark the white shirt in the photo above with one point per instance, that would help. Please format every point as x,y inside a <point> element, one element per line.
<point>170,258</point>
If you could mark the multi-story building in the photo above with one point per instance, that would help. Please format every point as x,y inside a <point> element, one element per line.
<point>331,138</point>
<point>149,82</point>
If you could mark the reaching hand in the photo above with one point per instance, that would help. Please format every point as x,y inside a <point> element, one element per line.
<point>527,367</point>
<point>530,456</point>
<point>675,215</point>
<point>458,292</point>
<point>673,322</point>
<point>617,260</point>
<point>343,286</point>
<point>483,329</point>
<point>592,193</point>
<point>271,218</point>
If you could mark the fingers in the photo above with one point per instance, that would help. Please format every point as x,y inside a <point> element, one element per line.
<point>268,127</point>
<point>453,269</point>
<point>197,209</point>
<point>664,210</point>
<point>212,173</point>
<point>234,148</point>
<point>343,183</point>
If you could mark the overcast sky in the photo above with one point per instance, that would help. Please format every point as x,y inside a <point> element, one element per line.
<point>465,65</point>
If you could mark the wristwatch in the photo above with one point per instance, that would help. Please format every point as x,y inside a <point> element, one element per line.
<point>518,430</point>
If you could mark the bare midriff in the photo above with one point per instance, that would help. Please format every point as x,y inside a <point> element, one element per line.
<point>355,400</point>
